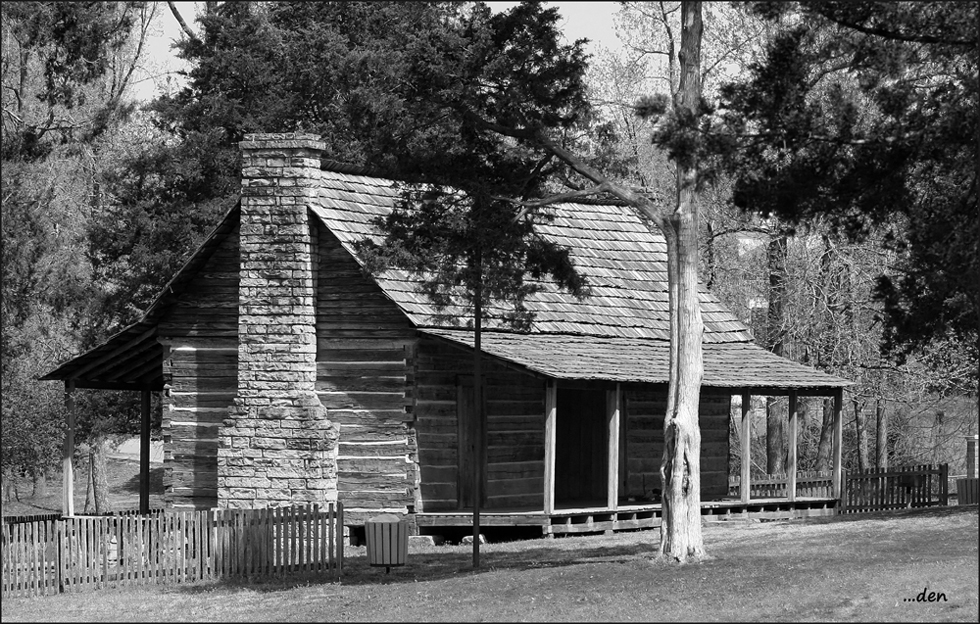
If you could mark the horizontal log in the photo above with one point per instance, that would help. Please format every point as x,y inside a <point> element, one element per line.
<point>386,465</point>
<point>347,450</point>
<point>363,400</point>
<point>497,454</point>
<point>437,455</point>
<point>512,470</point>
<point>375,500</point>
<point>216,400</point>
<point>436,426</point>
<point>185,384</point>
<point>533,439</point>
<point>443,437</point>
<point>358,382</point>
<point>499,407</point>
<point>191,367</point>
<point>207,416</point>
<point>439,474</point>
<point>439,491</point>
<point>365,418</point>
<point>432,409</point>
<point>375,434</point>
<point>349,482</point>
<point>527,486</point>
<point>353,355</point>
<point>511,501</point>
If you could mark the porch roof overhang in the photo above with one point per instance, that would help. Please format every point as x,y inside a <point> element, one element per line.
<point>130,360</point>
<point>739,366</point>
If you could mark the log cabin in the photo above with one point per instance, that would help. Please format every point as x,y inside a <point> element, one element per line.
<point>289,374</point>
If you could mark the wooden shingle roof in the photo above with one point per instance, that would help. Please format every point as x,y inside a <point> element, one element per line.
<point>726,365</point>
<point>619,333</point>
<point>624,259</point>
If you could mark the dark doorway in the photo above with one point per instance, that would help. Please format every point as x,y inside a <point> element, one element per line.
<point>581,447</point>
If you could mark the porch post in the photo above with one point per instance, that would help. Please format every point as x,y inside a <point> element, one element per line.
<point>145,452</point>
<point>838,439</point>
<point>612,433</point>
<point>550,414</point>
<point>744,484</point>
<point>791,460</point>
<point>67,473</point>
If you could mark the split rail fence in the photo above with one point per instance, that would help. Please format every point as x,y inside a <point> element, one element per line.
<point>84,552</point>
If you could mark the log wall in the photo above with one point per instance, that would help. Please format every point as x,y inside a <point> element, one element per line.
<point>365,360</point>
<point>200,335</point>
<point>515,429</point>
<point>644,421</point>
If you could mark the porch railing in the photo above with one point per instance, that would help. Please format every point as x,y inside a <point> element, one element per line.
<point>816,484</point>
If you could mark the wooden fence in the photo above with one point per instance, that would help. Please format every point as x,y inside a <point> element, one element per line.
<point>817,484</point>
<point>870,490</point>
<point>80,553</point>
<point>894,488</point>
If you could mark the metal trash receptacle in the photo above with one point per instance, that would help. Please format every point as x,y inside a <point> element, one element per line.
<point>387,541</point>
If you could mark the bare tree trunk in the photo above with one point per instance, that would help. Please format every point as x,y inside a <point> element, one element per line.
<point>40,484</point>
<point>680,469</point>
<point>881,444</point>
<point>937,436</point>
<point>87,507</point>
<point>775,436</point>
<point>775,321</point>
<point>861,428</point>
<point>825,446</point>
<point>100,475</point>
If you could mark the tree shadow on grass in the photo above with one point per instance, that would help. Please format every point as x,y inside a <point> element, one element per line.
<point>436,566</point>
<point>895,514</point>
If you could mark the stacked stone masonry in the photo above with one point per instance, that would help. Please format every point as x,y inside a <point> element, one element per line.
<point>278,447</point>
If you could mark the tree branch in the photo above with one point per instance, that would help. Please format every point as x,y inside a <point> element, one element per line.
<point>180,20</point>
<point>889,34</point>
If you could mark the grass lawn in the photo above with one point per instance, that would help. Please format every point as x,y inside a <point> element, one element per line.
<point>866,567</point>
<point>124,489</point>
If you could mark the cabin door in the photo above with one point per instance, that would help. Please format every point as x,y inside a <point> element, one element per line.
<point>580,453</point>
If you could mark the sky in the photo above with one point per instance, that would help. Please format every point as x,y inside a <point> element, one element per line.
<point>582,20</point>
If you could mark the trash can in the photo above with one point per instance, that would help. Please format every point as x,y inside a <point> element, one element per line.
<point>387,541</point>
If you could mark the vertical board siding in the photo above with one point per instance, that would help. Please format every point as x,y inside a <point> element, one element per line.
<point>201,364</point>
<point>83,553</point>
<point>365,369</point>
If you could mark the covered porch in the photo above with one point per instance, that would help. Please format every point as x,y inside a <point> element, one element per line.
<point>595,487</point>
<point>620,513</point>
<point>131,361</point>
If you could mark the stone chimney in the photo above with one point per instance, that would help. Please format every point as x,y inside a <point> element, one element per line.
<point>278,446</point>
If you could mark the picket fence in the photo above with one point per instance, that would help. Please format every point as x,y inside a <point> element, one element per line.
<point>817,484</point>
<point>81,553</point>
<point>895,488</point>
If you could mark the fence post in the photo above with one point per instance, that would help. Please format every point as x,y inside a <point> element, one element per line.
<point>842,500</point>
<point>340,537</point>
<point>944,488</point>
<point>60,529</point>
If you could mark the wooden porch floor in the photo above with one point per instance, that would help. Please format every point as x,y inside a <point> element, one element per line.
<point>626,517</point>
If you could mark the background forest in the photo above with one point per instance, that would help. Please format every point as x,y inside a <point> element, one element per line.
<point>839,210</point>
